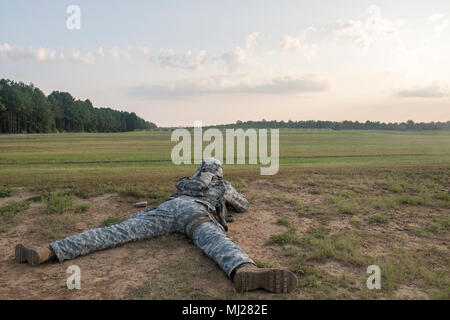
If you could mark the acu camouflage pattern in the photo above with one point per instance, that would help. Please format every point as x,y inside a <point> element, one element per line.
<point>204,191</point>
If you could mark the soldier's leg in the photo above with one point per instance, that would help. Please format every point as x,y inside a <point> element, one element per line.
<point>208,236</point>
<point>211,238</point>
<point>142,225</point>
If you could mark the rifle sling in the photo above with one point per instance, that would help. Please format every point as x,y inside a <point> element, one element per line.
<point>186,224</point>
<point>199,222</point>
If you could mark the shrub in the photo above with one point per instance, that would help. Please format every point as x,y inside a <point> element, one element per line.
<point>287,237</point>
<point>261,264</point>
<point>6,192</point>
<point>283,220</point>
<point>82,207</point>
<point>112,220</point>
<point>347,207</point>
<point>57,202</point>
<point>379,218</point>
<point>133,191</point>
<point>14,207</point>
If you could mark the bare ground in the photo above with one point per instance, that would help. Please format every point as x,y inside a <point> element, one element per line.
<point>171,267</point>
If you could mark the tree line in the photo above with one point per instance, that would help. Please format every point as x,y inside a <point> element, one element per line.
<point>24,108</point>
<point>342,125</point>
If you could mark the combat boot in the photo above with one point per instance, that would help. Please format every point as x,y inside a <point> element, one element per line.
<point>34,256</point>
<point>249,277</point>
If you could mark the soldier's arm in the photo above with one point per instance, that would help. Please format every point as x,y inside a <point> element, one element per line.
<point>234,199</point>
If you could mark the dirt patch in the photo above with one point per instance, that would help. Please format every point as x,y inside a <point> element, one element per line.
<point>171,266</point>
<point>411,292</point>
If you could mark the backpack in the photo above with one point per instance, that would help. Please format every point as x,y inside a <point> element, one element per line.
<point>212,193</point>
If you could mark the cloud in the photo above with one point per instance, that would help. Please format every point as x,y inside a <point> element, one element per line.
<point>101,52</point>
<point>115,54</point>
<point>235,59</point>
<point>188,61</point>
<point>433,90</point>
<point>366,33</point>
<point>78,57</point>
<point>291,43</point>
<point>18,53</point>
<point>164,58</point>
<point>436,17</point>
<point>238,57</point>
<point>439,23</point>
<point>231,85</point>
<point>144,50</point>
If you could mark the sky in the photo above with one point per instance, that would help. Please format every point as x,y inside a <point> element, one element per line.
<point>176,62</point>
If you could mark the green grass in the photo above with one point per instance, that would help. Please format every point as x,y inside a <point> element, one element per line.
<point>82,207</point>
<point>133,191</point>
<point>284,221</point>
<point>394,187</point>
<point>58,203</point>
<point>154,193</point>
<point>262,265</point>
<point>383,203</point>
<point>319,283</point>
<point>319,233</point>
<point>159,194</point>
<point>35,199</point>
<point>348,207</point>
<point>438,226</point>
<point>288,237</point>
<point>355,223</point>
<point>344,247</point>
<point>56,226</point>
<point>9,211</point>
<point>289,251</point>
<point>118,158</point>
<point>393,201</point>
<point>443,195</point>
<point>6,192</point>
<point>14,207</point>
<point>379,218</point>
<point>412,200</point>
<point>112,220</point>
<point>283,200</point>
<point>163,290</point>
<point>92,190</point>
<point>353,181</point>
<point>418,266</point>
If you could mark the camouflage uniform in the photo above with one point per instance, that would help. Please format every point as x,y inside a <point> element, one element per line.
<point>204,194</point>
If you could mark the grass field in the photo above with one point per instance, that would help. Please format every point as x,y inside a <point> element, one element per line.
<point>127,157</point>
<point>340,202</point>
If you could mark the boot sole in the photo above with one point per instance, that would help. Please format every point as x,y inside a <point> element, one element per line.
<point>272,280</point>
<point>26,254</point>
